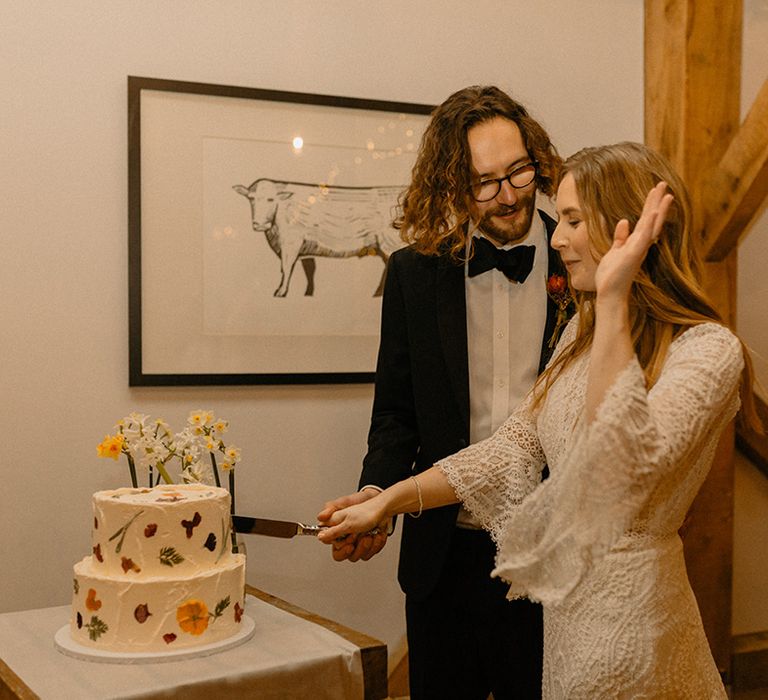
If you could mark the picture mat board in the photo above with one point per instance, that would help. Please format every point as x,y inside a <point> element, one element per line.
<point>208,279</point>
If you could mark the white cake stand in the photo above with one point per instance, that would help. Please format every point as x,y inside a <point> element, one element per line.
<point>64,643</point>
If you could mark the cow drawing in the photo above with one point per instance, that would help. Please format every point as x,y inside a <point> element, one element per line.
<point>303,221</point>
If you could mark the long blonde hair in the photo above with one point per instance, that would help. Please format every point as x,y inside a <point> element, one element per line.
<point>666,297</point>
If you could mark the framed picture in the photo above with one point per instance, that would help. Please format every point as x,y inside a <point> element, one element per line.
<point>259,229</point>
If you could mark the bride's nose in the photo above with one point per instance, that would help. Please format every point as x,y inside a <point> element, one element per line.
<point>559,239</point>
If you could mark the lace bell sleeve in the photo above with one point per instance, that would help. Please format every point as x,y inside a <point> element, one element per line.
<point>637,440</point>
<point>492,476</point>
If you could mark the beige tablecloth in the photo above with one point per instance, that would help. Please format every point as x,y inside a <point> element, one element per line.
<point>287,657</point>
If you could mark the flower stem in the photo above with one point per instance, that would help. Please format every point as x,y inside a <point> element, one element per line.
<point>164,473</point>
<point>232,491</point>
<point>132,469</point>
<point>215,470</point>
<point>235,548</point>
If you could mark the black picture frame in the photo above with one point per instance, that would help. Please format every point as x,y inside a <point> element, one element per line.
<point>172,129</point>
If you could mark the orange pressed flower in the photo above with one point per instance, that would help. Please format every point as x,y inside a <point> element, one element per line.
<point>90,602</point>
<point>192,616</point>
<point>129,565</point>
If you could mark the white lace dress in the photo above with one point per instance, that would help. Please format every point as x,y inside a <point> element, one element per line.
<point>597,542</point>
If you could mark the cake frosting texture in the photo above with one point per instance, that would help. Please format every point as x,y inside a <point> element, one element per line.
<point>161,574</point>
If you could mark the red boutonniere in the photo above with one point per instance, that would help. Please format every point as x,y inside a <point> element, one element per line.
<point>558,291</point>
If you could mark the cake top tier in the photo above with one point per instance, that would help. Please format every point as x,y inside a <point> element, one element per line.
<point>139,532</point>
<point>165,494</point>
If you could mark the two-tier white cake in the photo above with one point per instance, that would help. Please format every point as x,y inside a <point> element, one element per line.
<point>162,575</point>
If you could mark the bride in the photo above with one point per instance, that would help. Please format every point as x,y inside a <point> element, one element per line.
<point>627,416</point>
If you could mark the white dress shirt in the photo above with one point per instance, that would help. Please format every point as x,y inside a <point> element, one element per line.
<point>505,328</point>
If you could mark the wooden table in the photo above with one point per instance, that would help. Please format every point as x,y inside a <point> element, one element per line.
<point>373,653</point>
<point>261,667</point>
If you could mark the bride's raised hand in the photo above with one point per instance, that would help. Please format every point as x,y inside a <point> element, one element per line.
<point>619,266</point>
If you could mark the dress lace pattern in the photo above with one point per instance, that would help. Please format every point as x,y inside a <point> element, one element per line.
<point>597,542</point>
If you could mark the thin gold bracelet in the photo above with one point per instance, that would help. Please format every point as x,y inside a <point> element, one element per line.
<point>421,502</point>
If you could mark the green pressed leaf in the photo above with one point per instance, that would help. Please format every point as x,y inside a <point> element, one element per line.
<point>96,628</point>
<point>221,606</point>
<point>170,557</point>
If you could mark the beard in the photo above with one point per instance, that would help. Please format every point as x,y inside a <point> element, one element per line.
<point>509,231</point>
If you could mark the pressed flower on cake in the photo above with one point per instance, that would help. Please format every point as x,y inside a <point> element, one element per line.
<point>192,616</point>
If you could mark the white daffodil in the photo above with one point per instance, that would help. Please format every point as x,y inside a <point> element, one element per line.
<point>200,418</point>
<point>162,429</point>
<point>232,453</point>
<point>192,474</point>
<point>199,472</point>
<point>210,442</point>
<point>150,443</point>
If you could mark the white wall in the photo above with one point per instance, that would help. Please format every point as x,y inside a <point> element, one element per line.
<point>753,252</point>
<point>63,233</point>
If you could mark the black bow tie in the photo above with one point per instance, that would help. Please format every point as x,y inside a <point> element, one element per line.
<point>516,263</point>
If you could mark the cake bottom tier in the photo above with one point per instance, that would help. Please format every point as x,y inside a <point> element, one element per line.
<point>157,614</point>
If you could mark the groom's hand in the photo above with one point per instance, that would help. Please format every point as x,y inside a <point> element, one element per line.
<point>354,547</point>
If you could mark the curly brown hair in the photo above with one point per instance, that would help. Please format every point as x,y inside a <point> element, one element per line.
<point>433,211</point>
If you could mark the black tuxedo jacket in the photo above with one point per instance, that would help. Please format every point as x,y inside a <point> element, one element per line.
<point>421,401</point>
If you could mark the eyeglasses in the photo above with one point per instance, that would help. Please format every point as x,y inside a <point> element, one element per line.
<point>486,190</point>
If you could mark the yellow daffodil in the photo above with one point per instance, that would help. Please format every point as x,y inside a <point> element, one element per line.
<point>111,446</point>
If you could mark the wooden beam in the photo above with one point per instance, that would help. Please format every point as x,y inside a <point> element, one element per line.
<point>752,445</point>
<point>750,663</point>
<point>692,86</point>
<point>665,68</point>
<point>692,108</point>
<point>734,191</point>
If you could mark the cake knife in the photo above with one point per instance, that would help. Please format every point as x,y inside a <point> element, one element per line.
<point>277,528</point>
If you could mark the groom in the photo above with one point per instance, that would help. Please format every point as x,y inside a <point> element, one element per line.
<point>461,345</point>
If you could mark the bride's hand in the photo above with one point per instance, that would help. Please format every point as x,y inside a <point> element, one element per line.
<point>355,547</point>
<point>359,518</point>
<point>619,266</point>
